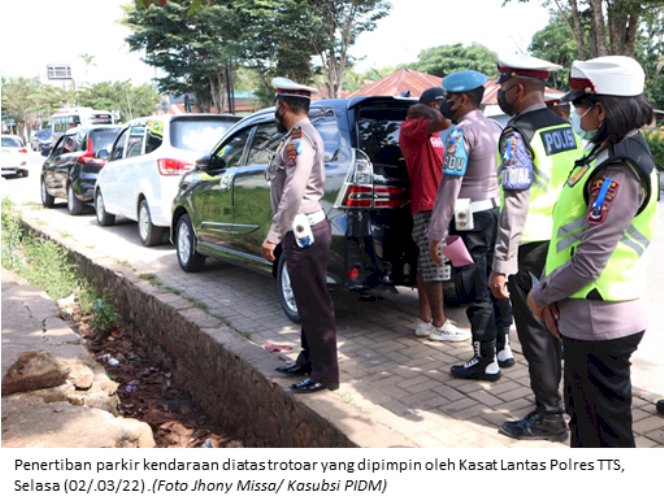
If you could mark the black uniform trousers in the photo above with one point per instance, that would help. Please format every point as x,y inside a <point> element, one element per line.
<point>598,391</point>
<point>485,313</point>
<point>541,349</point>
<point>307,268</point>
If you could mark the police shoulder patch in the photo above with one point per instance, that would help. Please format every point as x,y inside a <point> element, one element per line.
<point>456,156</point>
<point>296,133</point>
<point>291,154</point>
<point>602,193</point>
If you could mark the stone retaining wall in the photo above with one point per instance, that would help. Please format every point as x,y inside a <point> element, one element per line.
<point>228,376</point>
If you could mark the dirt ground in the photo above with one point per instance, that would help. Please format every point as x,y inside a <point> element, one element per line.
<point>147,393</point>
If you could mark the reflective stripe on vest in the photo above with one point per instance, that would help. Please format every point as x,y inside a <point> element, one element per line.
<point>623,278</point>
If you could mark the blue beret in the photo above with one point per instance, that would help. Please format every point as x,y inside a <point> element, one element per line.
<point>463,81</point>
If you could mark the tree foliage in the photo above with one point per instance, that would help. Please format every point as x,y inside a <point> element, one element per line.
<point>129,100</point>
<point>603,27</point>
<point>446,59</point>
<point>195,44</point>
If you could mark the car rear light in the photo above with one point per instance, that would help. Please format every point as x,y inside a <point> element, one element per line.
<point>354,273</point>
<point>23,150</point>
<point>360,191</point>
<point>88,158</point>
<point>171,166</point>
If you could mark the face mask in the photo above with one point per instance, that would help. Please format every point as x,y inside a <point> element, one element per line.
<point>281,128</point>
<point>505,107</point>
<point>575,119</point>
<point>446,110</point>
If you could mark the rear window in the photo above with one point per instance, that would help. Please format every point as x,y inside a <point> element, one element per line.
<point>325,122</point>
<point>197,135</point>
<point>103,139</point>
<point>378,132</point>
<point>10,142</point>
<point>43,134</point>
<point>100,119</point>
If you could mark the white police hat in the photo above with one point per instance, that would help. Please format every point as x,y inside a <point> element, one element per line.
<point>524,66</point>
<point>608,75</point>
<point>463,81</point>
<point>287,87</point>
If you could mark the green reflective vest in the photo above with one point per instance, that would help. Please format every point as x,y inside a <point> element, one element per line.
<point>623,278</point>
<point>554,147</point>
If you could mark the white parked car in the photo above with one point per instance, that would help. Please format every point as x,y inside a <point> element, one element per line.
<point>14,157</point>
<point>143,171</point>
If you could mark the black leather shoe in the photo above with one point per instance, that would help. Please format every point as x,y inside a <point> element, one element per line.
<point>537,426</point>
<point>307,385</point>
<point>293,370</point>
<point>660,406</point>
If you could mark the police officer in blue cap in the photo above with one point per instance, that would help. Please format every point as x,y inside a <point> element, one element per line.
<point>467,205</point>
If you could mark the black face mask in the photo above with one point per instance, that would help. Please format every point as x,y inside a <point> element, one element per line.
<point>446,110</point>
<point>505,106</point>
<point>281,128</point>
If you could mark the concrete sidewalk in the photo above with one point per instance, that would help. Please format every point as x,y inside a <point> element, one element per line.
<point>54,394</point>
<point>389,376</point>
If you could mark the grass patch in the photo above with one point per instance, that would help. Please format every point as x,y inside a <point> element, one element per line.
<point>124,263</point>
<point>197,303</point>
<point>173,290</point>
<point>45,264</point>
<point>152,279</point>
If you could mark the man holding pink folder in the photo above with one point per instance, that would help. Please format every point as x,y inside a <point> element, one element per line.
<point>467,206</point>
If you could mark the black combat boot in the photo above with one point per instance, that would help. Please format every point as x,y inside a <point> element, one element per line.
<point>482,366</point>
<point>503,348</point>
<point>537,425</point>
<point>660,406</point>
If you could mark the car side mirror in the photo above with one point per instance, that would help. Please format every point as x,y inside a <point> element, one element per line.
<point>102,154</point>
<point>210,163</point>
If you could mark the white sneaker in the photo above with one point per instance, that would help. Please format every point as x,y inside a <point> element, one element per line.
<point>448,333</point>
<point>423,329</point>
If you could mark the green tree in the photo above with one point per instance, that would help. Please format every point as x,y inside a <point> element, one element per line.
<point>132,101</point>
<point>602,27</point>
<point>340,22</point>
<point>555,43</point>
<point>446,59</point>
<point>192,49</point>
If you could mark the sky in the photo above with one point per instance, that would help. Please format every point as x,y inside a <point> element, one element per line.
<point>40,32</point>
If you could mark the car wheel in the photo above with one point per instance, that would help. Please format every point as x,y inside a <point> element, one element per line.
<point>150,234</point>
<point>286,296</point>
<point>74,205</point>
<point>47,200</point>
<point>185,243</point>
<point>103,218</point>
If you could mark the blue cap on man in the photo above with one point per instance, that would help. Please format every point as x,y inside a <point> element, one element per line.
<point>463,81</point>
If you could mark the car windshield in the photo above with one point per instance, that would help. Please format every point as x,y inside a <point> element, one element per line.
<point>198,135</point>
<point>103,139</point>
<point>10,142</point>
<point>43,134</point>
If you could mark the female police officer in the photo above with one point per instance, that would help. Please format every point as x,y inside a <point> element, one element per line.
<point>602,223</point>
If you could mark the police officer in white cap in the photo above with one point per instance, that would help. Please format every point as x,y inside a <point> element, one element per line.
<point>536,149</point>
<point>603,223</point>
<point>467,204</point>
<point>297,184</point>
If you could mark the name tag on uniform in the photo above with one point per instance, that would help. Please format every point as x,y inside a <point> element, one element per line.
<point>557,141</point>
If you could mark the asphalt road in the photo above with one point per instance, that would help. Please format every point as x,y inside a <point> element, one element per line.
<point>648,362</point>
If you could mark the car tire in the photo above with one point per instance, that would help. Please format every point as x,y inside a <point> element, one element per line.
<point>47,200</point>
<point>149,234</point>
<point>74,205</point>
<point>285,290</point>
<point>103,218</point>
<point>185,245</point>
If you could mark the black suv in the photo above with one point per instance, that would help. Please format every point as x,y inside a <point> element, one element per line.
<point>72,165</point>
<point>223,206</point>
